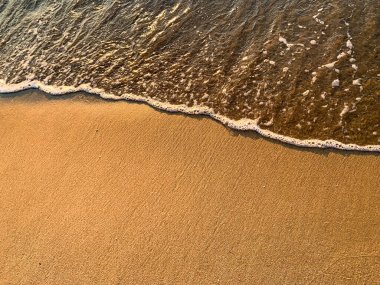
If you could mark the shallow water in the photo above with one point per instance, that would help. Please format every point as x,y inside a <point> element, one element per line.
<point>300,69</point>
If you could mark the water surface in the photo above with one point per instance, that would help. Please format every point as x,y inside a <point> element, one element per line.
<point>299,69</point>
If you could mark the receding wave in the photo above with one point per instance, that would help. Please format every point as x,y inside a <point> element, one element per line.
<point>304,72</point>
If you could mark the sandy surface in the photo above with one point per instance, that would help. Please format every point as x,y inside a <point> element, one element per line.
<point>96,192</point>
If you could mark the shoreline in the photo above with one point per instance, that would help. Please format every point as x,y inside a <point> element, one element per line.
<point>241,125</point>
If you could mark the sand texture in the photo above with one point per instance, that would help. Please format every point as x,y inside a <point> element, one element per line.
<point>98,192</point>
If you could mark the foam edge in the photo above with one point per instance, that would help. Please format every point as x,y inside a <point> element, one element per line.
<point>243,124</point>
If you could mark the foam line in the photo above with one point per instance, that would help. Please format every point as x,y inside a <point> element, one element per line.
<point>243,124</point>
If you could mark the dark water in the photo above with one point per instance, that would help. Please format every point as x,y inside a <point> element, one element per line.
<point>303,69</point>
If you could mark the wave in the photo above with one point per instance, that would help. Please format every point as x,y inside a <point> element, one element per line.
<point>305,72</point>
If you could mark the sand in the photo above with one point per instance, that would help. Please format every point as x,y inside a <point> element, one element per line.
<point>99,192</point>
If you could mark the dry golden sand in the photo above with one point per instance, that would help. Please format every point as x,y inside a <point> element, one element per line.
<point>96,192</point>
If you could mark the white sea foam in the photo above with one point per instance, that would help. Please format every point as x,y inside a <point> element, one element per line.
<point>242,124</point>
<point>357,82</point>
<point>329,65</point>
<point>335,83</point>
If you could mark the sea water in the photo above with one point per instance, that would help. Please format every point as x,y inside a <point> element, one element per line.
<point>304,72</point>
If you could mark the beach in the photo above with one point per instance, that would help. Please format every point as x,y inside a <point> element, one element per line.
<point>103,192</point>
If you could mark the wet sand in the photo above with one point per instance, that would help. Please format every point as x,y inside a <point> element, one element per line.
<point>97,192</point>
